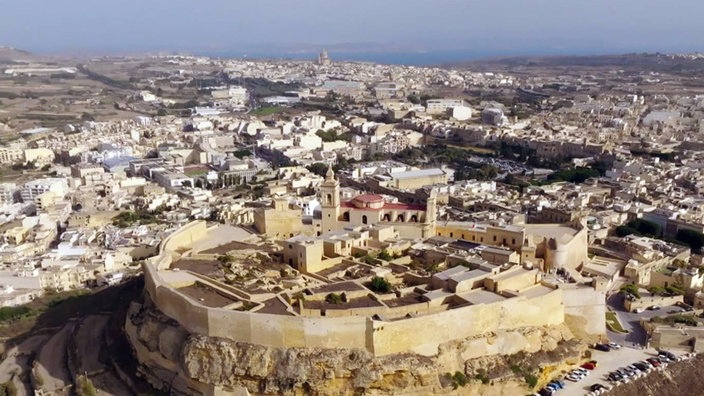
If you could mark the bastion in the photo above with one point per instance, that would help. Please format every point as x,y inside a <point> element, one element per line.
<point>225,313</point>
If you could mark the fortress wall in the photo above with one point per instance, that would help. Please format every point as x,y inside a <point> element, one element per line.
<point>589,305</point>
<point>424,334</point>
<point>193,317</point>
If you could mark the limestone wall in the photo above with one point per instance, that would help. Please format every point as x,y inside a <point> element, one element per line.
<point>422,334</point>
<point>586,305</point>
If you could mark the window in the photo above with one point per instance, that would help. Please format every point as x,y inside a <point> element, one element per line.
<point>364,219</point>
<point>329,199</point>
<point>450,235</point>
<point>414,219</point>
<point>346,216</point>
<point>513,241</point>
<point>400,218</point>
<point>494,238</point>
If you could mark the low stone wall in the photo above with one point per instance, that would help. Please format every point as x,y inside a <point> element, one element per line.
<point>646,301</point>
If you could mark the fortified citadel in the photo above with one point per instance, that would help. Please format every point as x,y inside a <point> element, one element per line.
<point>373,298</point>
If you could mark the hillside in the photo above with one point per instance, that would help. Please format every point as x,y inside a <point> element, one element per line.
<point>12,55</point>
<point>661,63</point>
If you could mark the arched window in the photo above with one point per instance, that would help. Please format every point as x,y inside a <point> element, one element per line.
<point>387,217</point>
<point>414,219</point>
<point>329,200</point>
<point>364,219</point>
<point>400,219</point>
<point>346,216</point>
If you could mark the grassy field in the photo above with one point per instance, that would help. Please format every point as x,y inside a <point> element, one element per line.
<point>613,324</point>
<point>265,111</point>
<point>54,308</point>
<point>474,149</point>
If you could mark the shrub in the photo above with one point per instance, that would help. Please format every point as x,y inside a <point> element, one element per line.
<point>384,255</point>
<point>333,298</point>
<point>531,380</point>
<point>380,285</point>
<point>630,289</point>
<point>459,379</point>
<point>85,387</point>
<point>8,314</point>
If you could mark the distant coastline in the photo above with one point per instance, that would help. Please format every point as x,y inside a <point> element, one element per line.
<point>408,58</point>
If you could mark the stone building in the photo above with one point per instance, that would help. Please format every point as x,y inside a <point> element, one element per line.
<point>372,209</point>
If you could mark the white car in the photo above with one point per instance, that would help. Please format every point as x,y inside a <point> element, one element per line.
<point>614,345</point>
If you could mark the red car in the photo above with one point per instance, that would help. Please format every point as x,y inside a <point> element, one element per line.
<point>653,361</point>
<point>588,366</point>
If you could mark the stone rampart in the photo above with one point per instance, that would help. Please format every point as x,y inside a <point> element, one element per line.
<point>422,334</point>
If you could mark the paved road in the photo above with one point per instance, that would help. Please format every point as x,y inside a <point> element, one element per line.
<point>89,340</point>
<point>608,362</point>
<point>51,362</point>
<point>631,321</point>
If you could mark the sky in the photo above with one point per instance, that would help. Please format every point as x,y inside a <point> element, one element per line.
<point>509,27</point>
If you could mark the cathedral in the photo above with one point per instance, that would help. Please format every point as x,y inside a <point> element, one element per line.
<point>411,221</point>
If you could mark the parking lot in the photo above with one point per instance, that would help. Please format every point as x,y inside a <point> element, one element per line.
<point>607,362</point>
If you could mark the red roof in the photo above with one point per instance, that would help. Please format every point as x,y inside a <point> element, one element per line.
<point>369,198</point>
<point>387,206</point>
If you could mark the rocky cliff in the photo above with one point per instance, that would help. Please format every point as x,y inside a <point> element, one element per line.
<point>183,363</point>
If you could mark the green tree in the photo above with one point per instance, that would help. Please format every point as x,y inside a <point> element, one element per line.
<point>384,255</point>
<point>630,289</point>
<point>334,298</point>
<point>380,285</point>
<point>319,168</point>
<point>691,238</point>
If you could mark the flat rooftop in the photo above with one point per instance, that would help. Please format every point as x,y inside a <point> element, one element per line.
<point>480,296</point>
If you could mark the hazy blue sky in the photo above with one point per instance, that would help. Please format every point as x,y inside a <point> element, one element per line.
<point>518,26</point>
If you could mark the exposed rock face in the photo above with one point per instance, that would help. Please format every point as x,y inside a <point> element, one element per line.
<point>276,370</point>
<point>204,364</point>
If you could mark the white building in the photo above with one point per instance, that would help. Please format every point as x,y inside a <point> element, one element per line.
<point>441,106</point>
<point>7,192</point>
<point>32,189</point>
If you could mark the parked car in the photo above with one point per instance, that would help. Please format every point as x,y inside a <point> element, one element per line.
<point>546,392</point>
<point>602,347</point>
<point>596,387</point>
<point>638,310</point>
<point>560,384</point>
<point>641,366</point>
<point>588,366</point>
<point>572,377</point>
<point>614,345</point>
<point>583,372</point>
<point>654,361</point>
<point>653,307</point>
<point>667,354</point>
<point>615,377</point>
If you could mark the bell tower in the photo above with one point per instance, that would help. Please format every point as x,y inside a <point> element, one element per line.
<point>330,201</point>
<point>431,214</point>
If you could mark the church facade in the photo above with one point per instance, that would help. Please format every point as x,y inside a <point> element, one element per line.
<point>412,221</point>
